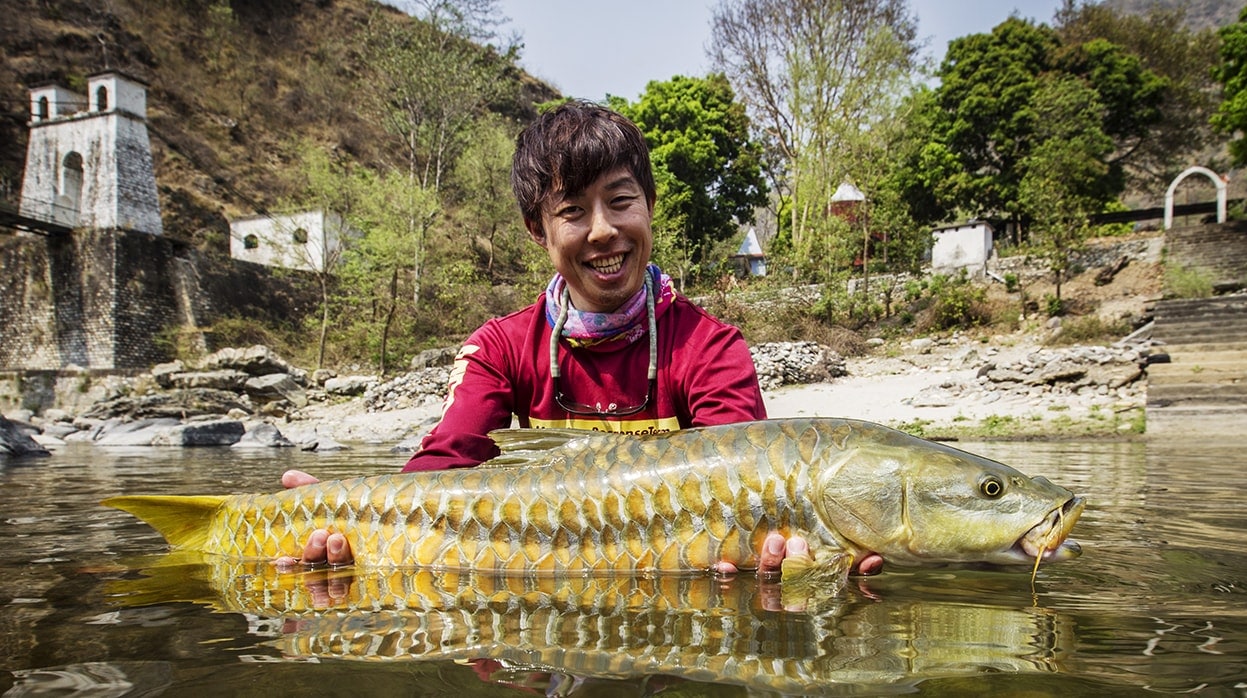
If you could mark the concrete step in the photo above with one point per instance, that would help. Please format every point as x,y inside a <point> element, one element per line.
<point>1176,374</point>
<point>1196,393</point>
<point>1214,421</point>
<point>1187,348</point>
<point>1174,336</point>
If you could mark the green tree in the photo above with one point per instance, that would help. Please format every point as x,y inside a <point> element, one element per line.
<point>1065,176</point>
<point>987,115</point>
<point>1231,116</point>
<point>699,135</point>
<point>1184,58</point>
<point>814,76</point>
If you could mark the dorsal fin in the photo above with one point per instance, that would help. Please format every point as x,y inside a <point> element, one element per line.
<point>541,446</point>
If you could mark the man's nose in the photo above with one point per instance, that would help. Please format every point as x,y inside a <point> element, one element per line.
<point>602,225</point>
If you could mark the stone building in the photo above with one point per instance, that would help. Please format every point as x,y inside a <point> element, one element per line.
<point>88,159</point>
<point>309,240</point>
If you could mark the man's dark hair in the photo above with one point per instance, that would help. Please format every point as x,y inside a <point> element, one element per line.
<point>568,147</point>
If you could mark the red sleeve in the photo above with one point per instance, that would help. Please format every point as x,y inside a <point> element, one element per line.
<point>719,379</point>
<point>478,400</point>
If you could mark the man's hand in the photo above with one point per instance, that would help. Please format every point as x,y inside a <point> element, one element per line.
<point>321,545</point>
<point>775,548</point>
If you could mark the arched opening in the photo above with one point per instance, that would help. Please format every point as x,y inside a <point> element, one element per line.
<point>1216,180</point>
<point>69,201</point>
<point>44,110</point>
<point>300,236</point>
<point>251,242</point>
<point>101,98</point>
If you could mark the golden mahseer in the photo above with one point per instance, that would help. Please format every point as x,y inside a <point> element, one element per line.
<point>574,502</point>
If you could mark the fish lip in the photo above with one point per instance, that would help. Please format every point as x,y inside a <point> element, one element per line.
<point>1050,537</point>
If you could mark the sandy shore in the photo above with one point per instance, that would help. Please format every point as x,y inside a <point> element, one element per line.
<point>896,387</point>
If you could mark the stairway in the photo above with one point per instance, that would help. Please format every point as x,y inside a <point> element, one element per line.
<point>1203,388</point>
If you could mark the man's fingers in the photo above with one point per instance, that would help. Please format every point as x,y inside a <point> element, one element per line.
<point>314,550</point>
<point>870,564</point>
<point>297,478</point>
<point>339,550</point>
<point>772,556</point>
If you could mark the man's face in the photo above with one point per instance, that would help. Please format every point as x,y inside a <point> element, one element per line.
<point>599,240</point>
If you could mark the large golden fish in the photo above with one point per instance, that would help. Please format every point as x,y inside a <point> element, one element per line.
<point>559,502</point>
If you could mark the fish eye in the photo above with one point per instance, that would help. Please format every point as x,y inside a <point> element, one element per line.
<point>991,486</point>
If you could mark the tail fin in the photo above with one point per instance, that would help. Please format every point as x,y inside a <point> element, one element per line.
<point>183,521</point>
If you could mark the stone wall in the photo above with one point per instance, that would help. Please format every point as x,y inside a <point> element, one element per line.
<point>99,300</point>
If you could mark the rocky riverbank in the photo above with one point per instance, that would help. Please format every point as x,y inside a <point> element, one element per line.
<point>252,398</point>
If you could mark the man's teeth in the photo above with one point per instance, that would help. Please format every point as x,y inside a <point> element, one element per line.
<point>609,265</point>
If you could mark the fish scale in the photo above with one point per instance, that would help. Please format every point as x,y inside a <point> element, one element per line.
<point>672,504</point>
<point>565,502</point>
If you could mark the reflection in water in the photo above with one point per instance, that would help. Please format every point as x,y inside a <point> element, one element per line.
<point>1156,603</point>
<point>629,629</point>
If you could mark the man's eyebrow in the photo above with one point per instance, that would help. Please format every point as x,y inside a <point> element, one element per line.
<point>622,181</point>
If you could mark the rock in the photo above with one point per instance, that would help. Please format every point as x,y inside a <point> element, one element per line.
<point>320,375</point>
<point>224,379</point>
<point>349,385</point>
<point>140,432</point>
<point>177,403</point>
<point>162,372</point>
<point>263,435</point>
<point>431,358</point>
<point>59,430</point>
<point>217,432</point>
<point>922,345</point>
<point>16,443</point>
<point>276,386</point>
<point>257,360</point>
<point>54,415</point>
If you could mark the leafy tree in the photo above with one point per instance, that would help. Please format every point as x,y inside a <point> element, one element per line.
<point>1065,176</point>
<point>698,134</point>
<point>1182,57</point>
<point>814,76</point>
<point>1231,116</point>
<point>987,115</point>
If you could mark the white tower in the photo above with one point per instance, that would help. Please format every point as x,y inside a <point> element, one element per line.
<point>89,161</point>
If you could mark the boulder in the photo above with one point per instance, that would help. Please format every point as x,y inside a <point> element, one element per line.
<point>263,435</point>
<point>222,379</point>
<point>140,432</point>
<point>15,442</point>
<point>277,386</point>
<point>349,385</point>
<point>430,358</point>
<point>176,403</point>
<point>217,432</point>
<point>257,360</point>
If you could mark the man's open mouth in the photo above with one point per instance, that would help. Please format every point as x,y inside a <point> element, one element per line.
<point>607,265</point>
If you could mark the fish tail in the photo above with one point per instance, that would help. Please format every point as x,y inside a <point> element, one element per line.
<point>183,521</point>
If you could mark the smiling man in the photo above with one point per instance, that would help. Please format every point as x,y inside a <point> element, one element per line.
<point>609,345</point>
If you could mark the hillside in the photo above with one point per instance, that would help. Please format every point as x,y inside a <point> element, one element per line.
<point>232,91</point>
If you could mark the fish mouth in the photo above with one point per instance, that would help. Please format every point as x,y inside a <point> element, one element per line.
<point>1048,540</point>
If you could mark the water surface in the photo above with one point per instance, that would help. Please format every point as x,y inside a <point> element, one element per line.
<point>92,605</point>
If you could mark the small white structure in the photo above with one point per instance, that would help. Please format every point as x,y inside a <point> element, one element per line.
<point>964,246</point>
<point>750,254</point>
<point>89,160</point>
<point>1217,180</point>
<point>310,240</point>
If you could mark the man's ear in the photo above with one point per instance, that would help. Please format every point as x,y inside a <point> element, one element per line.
<point>536,232</point>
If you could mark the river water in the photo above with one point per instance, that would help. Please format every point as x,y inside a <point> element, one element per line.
<point>92,606</point>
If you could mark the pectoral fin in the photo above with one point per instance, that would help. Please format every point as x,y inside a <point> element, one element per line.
<point>806,581</point>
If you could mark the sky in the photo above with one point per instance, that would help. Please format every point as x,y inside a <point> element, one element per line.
<point>592,48</point>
